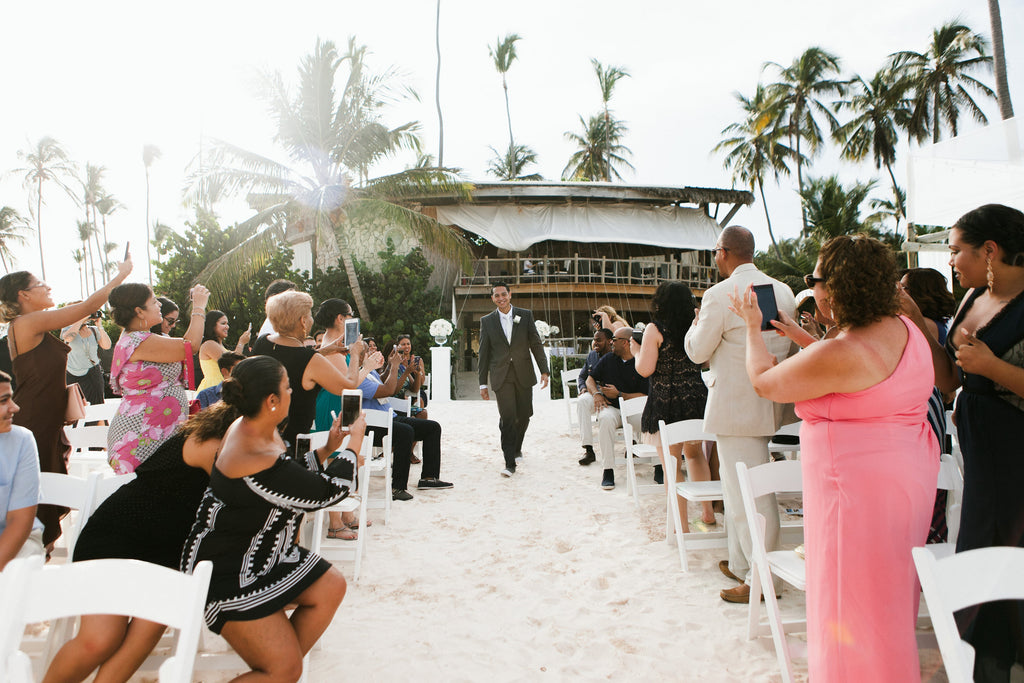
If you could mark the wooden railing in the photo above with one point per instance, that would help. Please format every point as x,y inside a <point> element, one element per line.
<point>650,271</point>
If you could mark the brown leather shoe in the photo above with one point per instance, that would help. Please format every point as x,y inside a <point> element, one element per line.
<point>723,567</point>
<point>740,594</point>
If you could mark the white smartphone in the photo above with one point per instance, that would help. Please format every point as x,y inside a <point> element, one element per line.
<point>351,331</point>
<point>351,404</point>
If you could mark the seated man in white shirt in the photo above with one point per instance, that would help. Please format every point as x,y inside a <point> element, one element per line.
<point>21,534</point>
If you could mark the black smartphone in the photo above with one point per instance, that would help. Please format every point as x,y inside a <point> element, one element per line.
<point>351,403</point>
<point>638,336</point>
<point>597,319</point>
<point>127,246</point>
<point>351,331</point>
<point>766,302</point>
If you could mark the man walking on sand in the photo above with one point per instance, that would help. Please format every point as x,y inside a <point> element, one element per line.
<point>507,338</point>
<point>742,421</point>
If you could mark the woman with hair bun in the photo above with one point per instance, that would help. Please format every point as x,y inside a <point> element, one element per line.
<point>984,354</point>
<point>149,519</point>
<point>39,361</point>
<point>248,523</point>
<point>148,370</point>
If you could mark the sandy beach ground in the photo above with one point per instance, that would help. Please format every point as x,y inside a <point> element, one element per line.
<point>544,576</point>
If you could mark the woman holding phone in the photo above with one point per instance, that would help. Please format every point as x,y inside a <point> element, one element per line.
<point>39,362</point>
<point>215,331</point>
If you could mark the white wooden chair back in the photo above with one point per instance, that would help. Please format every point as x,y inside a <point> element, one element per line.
<point>783,476</point>
<point>67,491</point>
<point>402,406</point>
<point>101,411</point>
<point>569,385</point>
<point>636,453</point>
<point>952,481</point>
<point>82,461</point>
<point>962,580</point>
<point>130,588</point>
<point>14,581</point>
<point>381,419</point>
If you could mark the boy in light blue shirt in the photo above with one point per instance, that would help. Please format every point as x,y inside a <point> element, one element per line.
<point>21,534</point>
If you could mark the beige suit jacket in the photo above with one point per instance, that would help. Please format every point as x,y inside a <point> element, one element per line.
<point>719,335</point>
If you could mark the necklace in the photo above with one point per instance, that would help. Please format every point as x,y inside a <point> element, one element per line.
<point>288,336</point>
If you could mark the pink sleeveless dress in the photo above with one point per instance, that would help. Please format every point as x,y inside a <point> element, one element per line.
<point>870,465</point>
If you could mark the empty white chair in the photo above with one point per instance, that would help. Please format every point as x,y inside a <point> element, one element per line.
<point>698,491</point>
<point>962,580</point>
<point>101,411</point>
<point>381,419</point>
<point>82,461</point>
<point>783,476</point>
<point>124,587</point>
<point>637,453</point>
<point>570,390</point>
<point>13,594</point>
<point>70,492</point>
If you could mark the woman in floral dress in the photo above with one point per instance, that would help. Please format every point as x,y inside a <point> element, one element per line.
<point>148,372</point>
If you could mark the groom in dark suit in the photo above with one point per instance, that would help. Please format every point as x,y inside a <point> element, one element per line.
<point>507,338</point>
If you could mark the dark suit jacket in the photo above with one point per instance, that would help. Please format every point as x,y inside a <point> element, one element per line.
<point>497,355</point>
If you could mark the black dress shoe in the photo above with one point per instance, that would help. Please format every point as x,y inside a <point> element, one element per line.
<point>400,494</point>
<point>659,475</point>
<point>588,458</point>
<point>608,483</point>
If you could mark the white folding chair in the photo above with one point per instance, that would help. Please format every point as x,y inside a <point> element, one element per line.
<point>126,587</point>
<point>636,453</point>
<point>100,411</point>
<point>81,461</point>
<point>697,491</point>
<point>345,550</point>
<point>961,580</point>
<point>13,594</point>
<point>952,481</point>
<point>784,476</point>
<point>401,405</point>
<point>70,492</point>
<point>570,391</point>
<point>381,419</point>
<point>790,430</point>
<point>426,387</point>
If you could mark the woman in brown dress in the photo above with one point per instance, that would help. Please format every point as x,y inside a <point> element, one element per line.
<point>40,364</point>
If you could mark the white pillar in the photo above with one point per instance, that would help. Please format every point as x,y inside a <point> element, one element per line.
<point>441,374</point>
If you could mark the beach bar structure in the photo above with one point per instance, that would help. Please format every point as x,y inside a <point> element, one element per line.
<point>567,248</point>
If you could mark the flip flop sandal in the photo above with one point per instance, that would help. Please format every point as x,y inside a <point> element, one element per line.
<point>354,524</point>
<point>342,534</point>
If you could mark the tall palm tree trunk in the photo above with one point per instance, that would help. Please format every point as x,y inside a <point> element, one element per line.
<point>508,112</point>
<point>149,259</point>
<point>39,226</point>
<point>437,91</point>
<point>99,249</point>
<point>799,176</point>
<point>353,281</point>
<point>935,117</point>
<point>999,57</point>
<point>896,193</point>
<point>771,235</point>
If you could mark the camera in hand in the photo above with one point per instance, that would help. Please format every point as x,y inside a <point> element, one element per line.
<point>638,335</point>
<point>597,319</point>
<point>96,316</point>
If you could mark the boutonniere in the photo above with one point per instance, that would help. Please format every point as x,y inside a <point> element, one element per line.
<point>516,319</point>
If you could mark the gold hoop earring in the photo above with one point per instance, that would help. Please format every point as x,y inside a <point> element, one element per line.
<point>990,277</point>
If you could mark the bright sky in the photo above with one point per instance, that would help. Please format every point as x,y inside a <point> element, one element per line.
<point>106,78</point>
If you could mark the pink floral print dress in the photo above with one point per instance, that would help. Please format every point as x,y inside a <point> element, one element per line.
<point>153,403</point>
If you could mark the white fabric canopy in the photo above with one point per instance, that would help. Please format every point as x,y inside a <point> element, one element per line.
<point>516,227</point>
<point>948,179</point>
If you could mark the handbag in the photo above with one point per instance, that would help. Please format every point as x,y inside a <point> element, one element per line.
<point>188,368</point>
<point>75,409</point>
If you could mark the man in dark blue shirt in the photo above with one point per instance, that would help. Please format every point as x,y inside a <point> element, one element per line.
<point>614,377</point>
<point>600,348</point>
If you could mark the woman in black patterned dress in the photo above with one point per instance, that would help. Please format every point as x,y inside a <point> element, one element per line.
<point>247,524</point>
<point>676,391</point>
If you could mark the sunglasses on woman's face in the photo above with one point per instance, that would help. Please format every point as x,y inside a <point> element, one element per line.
<point>171,321</point>
<point>810,281</point>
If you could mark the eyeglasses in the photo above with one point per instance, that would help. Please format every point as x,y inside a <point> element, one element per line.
<point>719,249</point>
<point>38,284</point>
<point>171,321</point>
<point>615,339</point>
<point>810,281</point>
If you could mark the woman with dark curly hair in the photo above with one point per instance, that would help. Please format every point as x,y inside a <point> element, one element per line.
<point>984,353</point>
<point>928,288</point>
<point>867,453</point>
<point>676,390</point>
<point>215,332</point>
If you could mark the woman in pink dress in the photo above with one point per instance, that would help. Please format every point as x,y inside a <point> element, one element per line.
<point>870,461</point>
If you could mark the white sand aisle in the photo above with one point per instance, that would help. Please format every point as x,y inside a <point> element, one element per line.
<point>541,576</point>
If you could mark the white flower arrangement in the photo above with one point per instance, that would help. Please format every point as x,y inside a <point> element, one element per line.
<point>555,330</point>
<point>542,329</point>
<point>441,328</point>
<point>640,327</point>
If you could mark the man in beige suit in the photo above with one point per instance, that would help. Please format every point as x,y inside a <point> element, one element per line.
<point>742,422</point>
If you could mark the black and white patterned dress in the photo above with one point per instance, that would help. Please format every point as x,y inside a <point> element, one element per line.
<point>248,528</point>
<point>676,390</point>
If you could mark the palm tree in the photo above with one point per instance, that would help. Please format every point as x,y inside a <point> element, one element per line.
<point>150,153</point>
<point>437,87</point>
<point>47,160</point>
<point>607,77</point>
<point>504,53</point>
<point>328,136</point>
<point>940,78</point>
<point>106,205</point>
<point>12,225</point>
<point>879,107</point>
<point>510,165</point>
<point>833,209</point>
<point>85,231</point>
<point>599,150</point>
<point>811,76</point>
<point>92,192</point>
<point>754,147</point>
<point>887,208</point>
<point>78,256</point>
<point>161,234</point>
<point>999,60</point>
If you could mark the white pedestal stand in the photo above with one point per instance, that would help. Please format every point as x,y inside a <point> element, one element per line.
<point>441,374</point>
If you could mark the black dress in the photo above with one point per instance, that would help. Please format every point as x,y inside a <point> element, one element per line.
<point>990,427</point>
<point>248,528</point>
<point>303,407</point>
<point>149,517</point>
<point>675,391</point>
